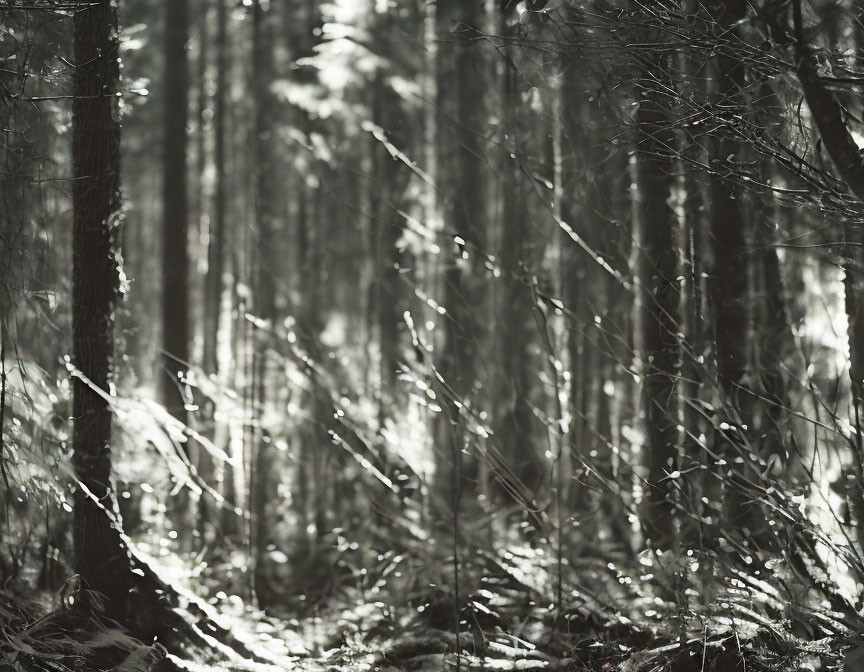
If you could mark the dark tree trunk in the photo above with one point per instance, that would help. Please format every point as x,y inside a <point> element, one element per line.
<point>200,316</point>
<point>853,265</point>
<point>216,245</point>
<point>660,296</point>
<point>776,341</point>
<point>729,277</point>
<point>100,557</point>
<point>175,259</point>
<point>175,264</point>
<point>389,308</point>
<point>387,225</point>
<point>694,327</point>
<point>460,98</point>
<point>730,296</point>
<point>265,211</point>
<point>201,102</point>
<point>573,261</point>
<point>514,320</point>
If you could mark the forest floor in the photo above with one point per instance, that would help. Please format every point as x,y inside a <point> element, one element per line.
<point>361,639</point>
<point>376,626</point>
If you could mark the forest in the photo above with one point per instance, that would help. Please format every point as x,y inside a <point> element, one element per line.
<point>423,335</point>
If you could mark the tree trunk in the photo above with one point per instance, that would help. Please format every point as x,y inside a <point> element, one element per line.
<point>460,94</point>
<point>175,304</point>
<point>731,298</point>
<point>199,315</point>
<point>728,285</point>
<point>776,341</point>
<point>100,557</point>
<point>514,324</point>
<point>216,245</point>
<point>573,264</point>
<point>388,184</point>
<point>853,277</point>
<point>659,270</point>
<point>215,281</point>
<point>175,259</point>
<point>693,325</point>
<point>265,212</point>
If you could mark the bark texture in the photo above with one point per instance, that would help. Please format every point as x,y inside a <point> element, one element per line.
<point>99,556</point>
<point>175,264</point>
<point>460,98</point>
<point>660,299</point>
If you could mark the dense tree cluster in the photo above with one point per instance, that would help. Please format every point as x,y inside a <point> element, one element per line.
<point>524,322</point>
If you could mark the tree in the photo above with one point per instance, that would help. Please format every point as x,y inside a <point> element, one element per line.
<point>216,245</point>
<point>214,282</point>
<point>513,391</point>
<point>460,98</point>
<point>175,215</point>
<point>265,210</point>
<point>658,272</point>
<point>100,557</point>
<point>386,224</point>
<point>728,287</point>
<point>175,302</point>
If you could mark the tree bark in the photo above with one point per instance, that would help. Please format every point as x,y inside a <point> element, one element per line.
<point>729,291</point>
<point>175,264</point>
<point>200,316</point>
<point>175,259</point>
<point>776,341</point>
<point>388,185</point>
<point>729,277</point>
<point>215,280</point>
<point>659,271</point>
<point>515,323</point>
<point>575,155</point>
<point>694,326</point>
<point>99,556</point>
<point>460,96</point>
<point>216,244</point>
<point>265,211</point>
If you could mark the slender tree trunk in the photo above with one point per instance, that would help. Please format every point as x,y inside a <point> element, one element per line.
<point>216,245</point>
<point>201,102</point>
<point>207,512</point>
<point>514,324</point>
<point>175,264</point>
<point>387,226</point>
<point>694,327</point>
<point>730,296</point>
<point>199,203</point>
<point>853,266</point>
<point>215,281</point>
<point>460,96</point>
<point>775,338</point>
<point>175,258</point>
<point>265,214</point>
<point>728,285</point>
<point>659,272</point>
<point>307,485</point>
<point>389,308</point>
<point>611,180</point>
<point>573,262</point>
<point>100,557</point>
